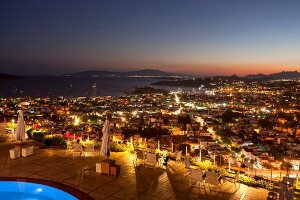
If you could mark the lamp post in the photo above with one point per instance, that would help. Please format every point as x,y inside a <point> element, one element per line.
<point>200,153</point>
<point>297,180</point>
<point>186,150</point>
<point>12,126</point>
<point>214,158</point>
<point>280,171</point>
<point>271,174</point>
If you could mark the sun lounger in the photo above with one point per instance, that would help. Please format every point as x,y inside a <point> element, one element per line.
<point>69,146</point>
<point>212,179</point>
<point>77,149</point>
<point>89,150</point>
<point>196,177</point>
<point>150,160</point>
<point>234,179</point>
<point>179,156</point>
<point>139,156</point>
<point>187,166</point>
<point>176,155</point>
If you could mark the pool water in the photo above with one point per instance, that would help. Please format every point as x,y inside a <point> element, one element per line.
<point>17,190</point>
<point>20,195</point>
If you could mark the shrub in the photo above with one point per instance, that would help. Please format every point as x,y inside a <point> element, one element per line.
<point>130,149</point>
<point>244,179</point>
<point>56,141</point>
<point>117,147</point>
<point>38,136</point>
<point>97,144</point>
<point>256,183</point>
<point>30,133</point>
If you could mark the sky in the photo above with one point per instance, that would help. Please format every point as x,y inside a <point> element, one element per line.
<point>201,37</point>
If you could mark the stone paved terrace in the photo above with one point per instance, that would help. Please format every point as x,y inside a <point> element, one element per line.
<point>141,183</point>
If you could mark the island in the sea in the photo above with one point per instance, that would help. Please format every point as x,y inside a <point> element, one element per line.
<point>8,76</point>
<point>215,80</point>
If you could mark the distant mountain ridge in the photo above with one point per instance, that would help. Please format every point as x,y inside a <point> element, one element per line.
<point>159,73</point>
<point>207,81</point>
<point>145,72</point>
<point>279,75</point>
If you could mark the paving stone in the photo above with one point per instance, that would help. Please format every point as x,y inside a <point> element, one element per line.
<point>139,183</point>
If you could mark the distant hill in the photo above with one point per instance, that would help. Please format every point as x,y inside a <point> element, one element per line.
<point>216,80</point>
<point>90,73</point>
<point>255,76</point>
<point>280,75</point>
<point>150,72</point>
<point>145,72</point>
<point>198,82</point>
<point>8,76</point>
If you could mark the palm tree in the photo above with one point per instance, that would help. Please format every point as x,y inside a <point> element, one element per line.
<point>243,157</point>
<point>268,166</point>
<point>288,166</point>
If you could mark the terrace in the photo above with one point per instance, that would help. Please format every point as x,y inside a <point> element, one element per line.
<point>133,183</point>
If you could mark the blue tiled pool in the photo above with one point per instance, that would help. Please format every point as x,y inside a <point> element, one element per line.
<point>18,190</point>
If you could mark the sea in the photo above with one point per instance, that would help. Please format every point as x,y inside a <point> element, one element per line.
<point>58,86</point>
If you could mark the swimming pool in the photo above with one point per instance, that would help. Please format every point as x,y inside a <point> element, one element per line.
<point>11,190</point>
<point>14,188</point>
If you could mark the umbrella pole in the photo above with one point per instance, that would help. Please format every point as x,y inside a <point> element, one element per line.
<point>21,143</point>
<point>107,154</point>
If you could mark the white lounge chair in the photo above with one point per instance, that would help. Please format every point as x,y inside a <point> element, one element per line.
<point>173,155</point>
<point>89,150</point>
<point>77,149</point>
<point>179,156</point>
<point>187,163</point>
<point>196,177</point>
<point>176,155</point>
<point>139,156</point>
<point>187,166</point>
<point>212,179</point>
<point>69,146</point>
<point>234,179</point>
<point>150,160</point>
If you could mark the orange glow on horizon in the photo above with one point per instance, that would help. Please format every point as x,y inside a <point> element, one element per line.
<point>240,70</point>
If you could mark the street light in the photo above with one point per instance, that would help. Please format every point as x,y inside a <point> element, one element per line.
<point>76,121</point>
<point>200,153</point>
<point>280,170</point>
<point>12,126</point>
<point>214,158</point>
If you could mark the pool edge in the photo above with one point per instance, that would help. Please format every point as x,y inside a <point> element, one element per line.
<point>66,188</point>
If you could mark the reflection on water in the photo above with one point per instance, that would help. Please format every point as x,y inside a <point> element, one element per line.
<point>70,86</point>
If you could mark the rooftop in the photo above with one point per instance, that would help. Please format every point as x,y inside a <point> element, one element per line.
<point>133,183</point>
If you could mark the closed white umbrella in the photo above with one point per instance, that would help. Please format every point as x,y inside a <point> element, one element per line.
<point>105,146</point>
<point>20,131</point>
